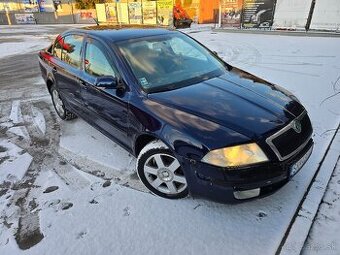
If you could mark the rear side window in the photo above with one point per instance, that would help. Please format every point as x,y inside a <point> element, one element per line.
<point>96,62</point>
<point>72,46</point>
<point>57,49</point>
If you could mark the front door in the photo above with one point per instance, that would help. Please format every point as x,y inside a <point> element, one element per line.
<point>105,108</point>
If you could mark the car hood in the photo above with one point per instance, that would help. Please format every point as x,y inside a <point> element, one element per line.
<point>236,100</point>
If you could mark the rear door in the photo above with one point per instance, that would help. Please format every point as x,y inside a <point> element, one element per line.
<point>106,108</point>
<point>66,69</point>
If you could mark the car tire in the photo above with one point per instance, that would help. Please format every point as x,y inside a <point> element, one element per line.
<point>59,106</point>
<point>160,171</point>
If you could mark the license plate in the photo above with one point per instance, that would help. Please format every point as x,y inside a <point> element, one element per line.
<point>299,164</point>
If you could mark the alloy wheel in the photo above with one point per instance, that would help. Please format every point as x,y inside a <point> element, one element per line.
<point>163,172</point>
<point>58,103</point>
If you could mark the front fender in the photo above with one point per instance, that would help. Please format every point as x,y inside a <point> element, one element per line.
<point>186,134</point>
<point>183,144</point>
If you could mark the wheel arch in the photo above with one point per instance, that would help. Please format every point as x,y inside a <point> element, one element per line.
<point>49,84</point>
<point>142,140</point>
<point>179,143</point>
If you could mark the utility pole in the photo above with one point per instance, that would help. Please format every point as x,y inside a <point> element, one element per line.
<point>220,14</point>
<point>7,15</point>
<point>310,15</point>
<point>39,5</point>
<point>172,25</point>
<point>72,13</point>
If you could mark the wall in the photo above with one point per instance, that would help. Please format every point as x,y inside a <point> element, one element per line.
<point>66,13</point>
<point>288,14</point>
<point>158,12</point>
<point>231,13</point>
<point>326,15</point>
<point>291,14</point>
<point>192,8</point>
<point>208,12</point>
<point>3,19</point>
<point>49,18</point>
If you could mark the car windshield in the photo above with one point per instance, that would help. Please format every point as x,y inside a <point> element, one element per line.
<point>169,61</point>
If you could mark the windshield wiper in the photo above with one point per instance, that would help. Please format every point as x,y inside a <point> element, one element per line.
<point>185,83</point>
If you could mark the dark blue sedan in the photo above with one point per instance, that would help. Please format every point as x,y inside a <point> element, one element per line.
<point>195,123</point>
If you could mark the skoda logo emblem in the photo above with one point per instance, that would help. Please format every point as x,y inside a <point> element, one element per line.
<point>297,126</point>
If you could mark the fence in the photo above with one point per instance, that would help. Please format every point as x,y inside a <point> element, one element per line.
<point>235,14</point>
<point>280,14</point>
<point>19,17</point>
<point>158,12</point>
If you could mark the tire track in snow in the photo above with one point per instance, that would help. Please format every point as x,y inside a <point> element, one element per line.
<point>40,122</point>
<point>71,176</point>
<point>41,147</point>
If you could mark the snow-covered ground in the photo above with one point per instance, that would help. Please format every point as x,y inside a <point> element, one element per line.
<point>22,39</point>
<point>17,29</point>
<point>22,44</point>
<point>89,200</point>
<point>324,237</point>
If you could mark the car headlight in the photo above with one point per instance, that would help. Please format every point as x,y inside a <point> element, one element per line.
<point>239,155</point>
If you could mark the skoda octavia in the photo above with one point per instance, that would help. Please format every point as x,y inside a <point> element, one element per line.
<point>196,124</point>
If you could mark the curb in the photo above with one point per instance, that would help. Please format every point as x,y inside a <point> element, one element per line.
<point>297,233</point>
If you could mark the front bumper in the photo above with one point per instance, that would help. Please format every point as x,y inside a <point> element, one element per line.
<point>221,184</point>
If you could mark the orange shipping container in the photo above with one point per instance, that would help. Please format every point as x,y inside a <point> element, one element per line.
<point>201,11</point>
<point>208,12</point>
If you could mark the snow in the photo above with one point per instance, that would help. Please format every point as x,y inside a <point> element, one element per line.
<point>124,219</point>
<point>21,39</point>
<point>39,119</point>
<point>130,222</point>
<point>17,29</point>
<point>15,115</point>
<point>15,118</point>
<point>93,146</point>
<point>301,226</point>
<point>28,44</point>
<point>19,131</point>
<point>16,163</point>
<point>23,29</point>
<point>324,237</point>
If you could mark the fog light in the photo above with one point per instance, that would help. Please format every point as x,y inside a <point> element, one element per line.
<point>246,194</point>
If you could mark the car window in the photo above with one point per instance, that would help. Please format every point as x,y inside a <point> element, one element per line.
<point>96,62</point>
<point>169,61</point>
<point>184,49</point>
<point>57,49</point>
<point>71,53</point>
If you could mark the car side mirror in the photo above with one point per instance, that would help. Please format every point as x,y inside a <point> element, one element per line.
<point>107,82</point>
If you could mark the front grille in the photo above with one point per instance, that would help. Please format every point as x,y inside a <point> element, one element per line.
<point>287,141</point>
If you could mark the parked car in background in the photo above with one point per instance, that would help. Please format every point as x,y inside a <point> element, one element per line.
<point>195,123</point>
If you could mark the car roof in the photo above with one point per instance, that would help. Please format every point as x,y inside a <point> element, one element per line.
<point>121,33</point>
